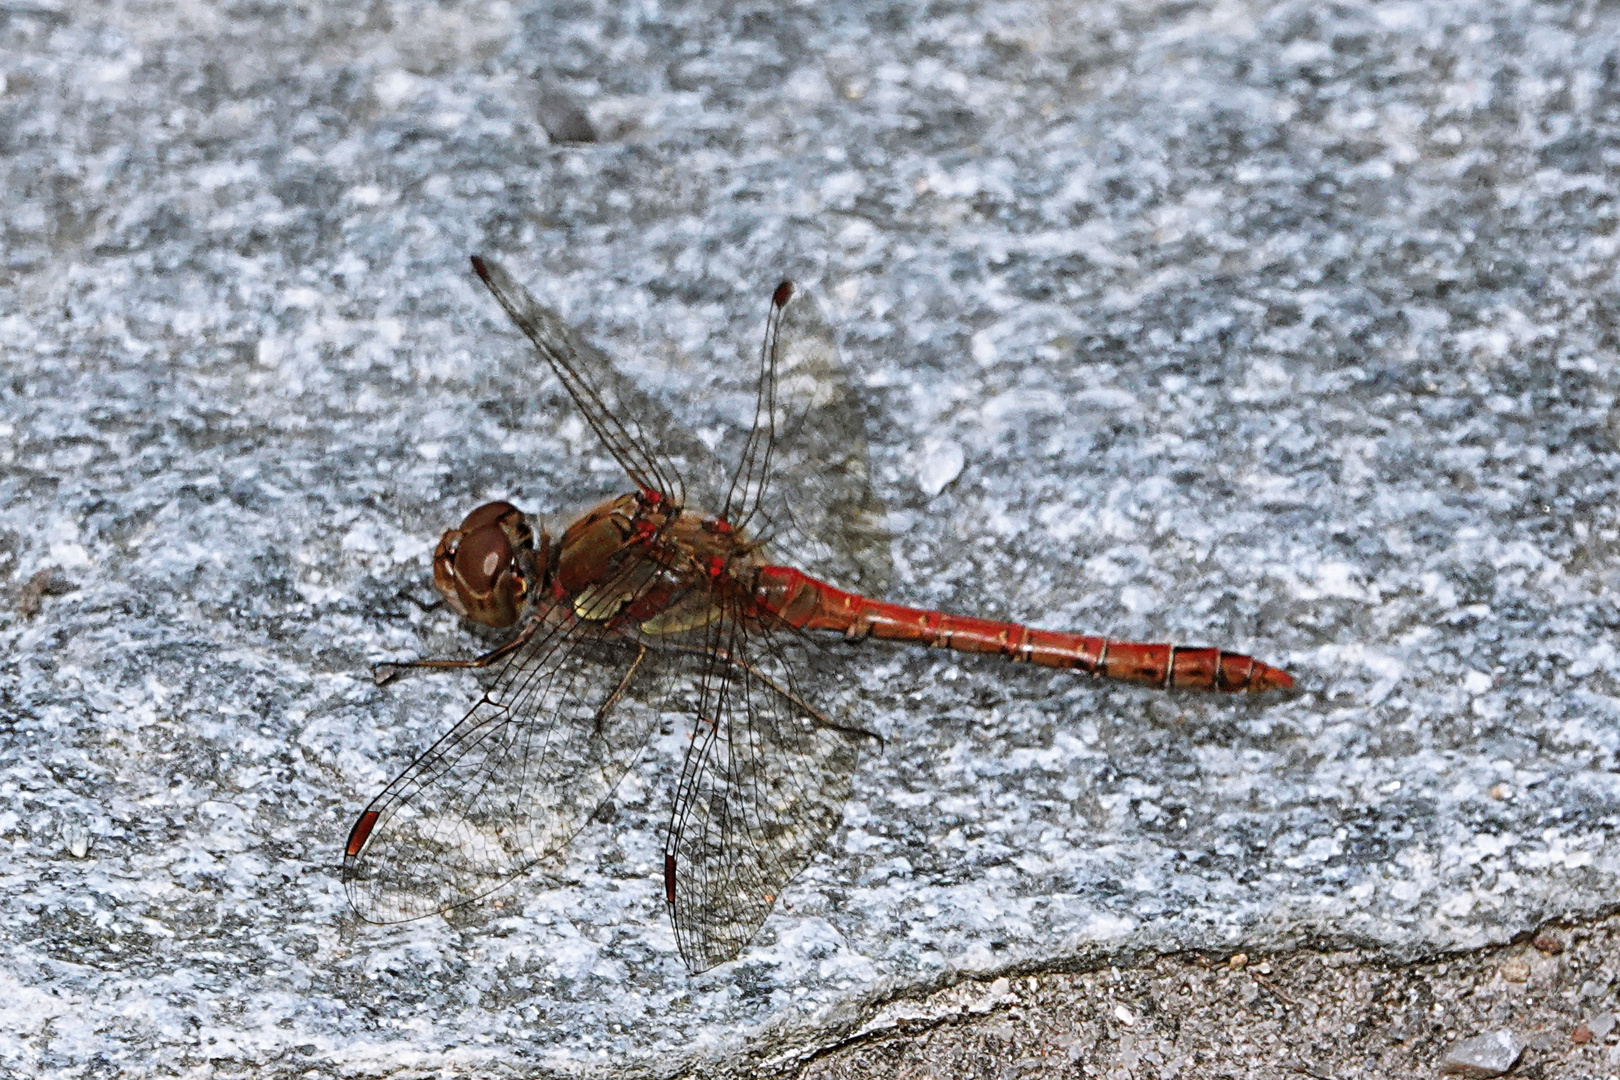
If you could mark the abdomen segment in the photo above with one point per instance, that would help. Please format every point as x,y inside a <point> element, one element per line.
<point>808,604</point>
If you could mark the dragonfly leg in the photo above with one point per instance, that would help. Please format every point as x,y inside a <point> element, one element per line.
<point>618,691</point>
<point>383,672</point>
<point>815,714</point>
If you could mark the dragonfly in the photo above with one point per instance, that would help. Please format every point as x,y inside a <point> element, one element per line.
<point>703,595</point>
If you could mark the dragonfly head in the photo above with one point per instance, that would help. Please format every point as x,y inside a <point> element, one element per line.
<point>491,565</point>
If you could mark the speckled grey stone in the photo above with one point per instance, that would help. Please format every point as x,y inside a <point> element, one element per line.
<point>1283,327</point>
<point>1483,1056</point>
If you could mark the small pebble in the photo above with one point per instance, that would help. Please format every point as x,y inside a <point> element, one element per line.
<point>1600,1025</point>
<point>1581,1035</point>
<point>1124,1015</point>
<point>942,463</point>
<point>1482,1056</point>
<point>77,838</point>
<point>1237,960</point>
<point>1516,970</point>
<point>1548,944</point>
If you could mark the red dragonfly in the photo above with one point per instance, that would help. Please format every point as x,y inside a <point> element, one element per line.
<point>648,607</point>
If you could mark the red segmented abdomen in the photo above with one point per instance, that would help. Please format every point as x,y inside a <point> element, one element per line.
<point>809,604</point>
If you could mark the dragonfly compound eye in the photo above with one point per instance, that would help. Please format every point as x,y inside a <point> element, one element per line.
<point>484,568</point>
<point>491,513</point>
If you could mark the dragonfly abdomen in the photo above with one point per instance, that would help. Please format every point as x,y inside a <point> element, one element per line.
<point>809,604</point>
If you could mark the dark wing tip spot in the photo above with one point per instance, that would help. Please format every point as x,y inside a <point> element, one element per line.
<point>357,836</point>
<point>784,293</point>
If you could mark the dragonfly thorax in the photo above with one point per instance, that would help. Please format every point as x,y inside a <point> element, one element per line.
<point>643,559</point>
<point>488,568</point>
<point>591,550</point>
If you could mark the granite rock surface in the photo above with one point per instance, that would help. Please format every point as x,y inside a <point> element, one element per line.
<point>1282,327</point>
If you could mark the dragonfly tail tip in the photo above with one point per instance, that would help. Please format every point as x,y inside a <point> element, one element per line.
<point>1267,677</point>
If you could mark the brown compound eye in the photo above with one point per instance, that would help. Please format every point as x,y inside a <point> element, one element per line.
<point>488,514</point>
<point>482,558</point>
<point>483,568</point>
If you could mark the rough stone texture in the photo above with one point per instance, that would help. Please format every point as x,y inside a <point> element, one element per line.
<point>1284,327</point>
<point>1332,1016</point>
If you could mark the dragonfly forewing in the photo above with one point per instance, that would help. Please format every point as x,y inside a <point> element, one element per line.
<point>654,449</point>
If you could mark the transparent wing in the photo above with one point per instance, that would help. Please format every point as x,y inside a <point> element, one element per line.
<point>513,782</point>
<point>763,786</point>
<point>656,451</point>
<point>802,484</point>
